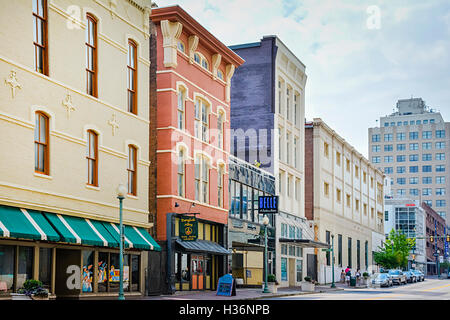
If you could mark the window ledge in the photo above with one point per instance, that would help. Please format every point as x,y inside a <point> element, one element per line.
<point>44,176</point>
<point>93,187</point>
<point>132,196</point>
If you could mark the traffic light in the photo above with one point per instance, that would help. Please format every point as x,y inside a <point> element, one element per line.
<point>431,239</point>
<point>448,238</point>
<point>414,257</point>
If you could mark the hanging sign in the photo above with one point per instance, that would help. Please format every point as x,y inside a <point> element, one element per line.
<point>268,204</point>
<point>188,228</point>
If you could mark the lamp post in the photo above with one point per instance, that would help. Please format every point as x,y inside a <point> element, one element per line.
<point>121,191</point>
<point>332,261</point>
<point>265,222</point>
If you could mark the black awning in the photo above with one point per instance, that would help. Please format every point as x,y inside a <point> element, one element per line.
<point>202,246</point>
<point>305,243</point>
<point>247,246</point>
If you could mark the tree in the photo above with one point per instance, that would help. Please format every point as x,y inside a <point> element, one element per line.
<point>395,252</point>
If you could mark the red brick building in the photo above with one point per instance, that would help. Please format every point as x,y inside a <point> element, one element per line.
<point>435,226</point>
<point>193,77</point>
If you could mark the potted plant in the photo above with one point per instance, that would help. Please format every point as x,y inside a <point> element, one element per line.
<point>272,283</point>
<point>365,277</point>
<point>33,289</point>
<point>308,284</point>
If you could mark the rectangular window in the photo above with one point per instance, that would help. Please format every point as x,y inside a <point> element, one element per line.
<point>295,152</point>
<point>376,138</point>
<point>427,157</point>
<point>358,254</point>
<point>426,168</point>
<point>340,250</point>
<point>288,147</point>
<point>440,191</point>
<point>414,135</point>
<point>388,137</point>
<point>401,136</point>
<point>288,104</point>
<point>349,255</point>
<point>427,192</point>
<point>427,134</point>
<point>376,148</point>
<point>296,109</point>
<point>440,168</point>
<point>427,146</point>
<point>220,189</point>
<point>388,147</point>
<point>91,56</point>
<point>376,159</point>
<point>325,149</point>
<point>413,157</point>
<point>414,192</point>
<point>45,267</point>
<point>413,169</point>
<point>205,181</point>
<point>40,36</point>
<point>132,167</point>
<point>205,123</point>
<point>41,145</point>
<point>401,181</point>
<point>338,195</point>
<point>181,172</point>
<point>440,203</point>
<point>440,156</point>
<point>328,240</point>
<point>92,158</point>
<point>440,145</point>
<point>401,169</point>
<point>440,134</point>
<point>401,147</point>
<point>388,170</point>
<point>413,146</point>
<point>326,189</point>
<point>180,110</point>
<point>401,158</point>
<point>132,77</point>
<point>440,180</point>
<point>427,180</point>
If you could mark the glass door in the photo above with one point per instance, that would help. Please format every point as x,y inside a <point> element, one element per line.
<point>198,270</point>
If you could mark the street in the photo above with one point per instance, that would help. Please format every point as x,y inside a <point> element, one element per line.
<point>430,289</point>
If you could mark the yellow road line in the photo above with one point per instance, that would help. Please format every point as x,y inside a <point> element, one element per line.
<point>382,297</point>
<point>437,287</point>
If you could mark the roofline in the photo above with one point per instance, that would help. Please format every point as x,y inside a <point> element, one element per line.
<point>177,13</point>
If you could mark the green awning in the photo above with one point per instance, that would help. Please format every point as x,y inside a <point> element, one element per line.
<point>81,230</point>
<point>135,237</point>
<point>25,224</point>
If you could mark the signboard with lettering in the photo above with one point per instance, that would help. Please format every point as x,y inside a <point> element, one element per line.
<point>226,286</point>
<point>268,204</point>
<point>188,228</point>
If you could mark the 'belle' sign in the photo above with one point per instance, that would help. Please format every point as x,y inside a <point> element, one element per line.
<point>268,204</point>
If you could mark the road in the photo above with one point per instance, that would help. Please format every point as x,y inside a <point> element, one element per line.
<point>430,289</point>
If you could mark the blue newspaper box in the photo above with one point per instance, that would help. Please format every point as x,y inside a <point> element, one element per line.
<point>226,286</point>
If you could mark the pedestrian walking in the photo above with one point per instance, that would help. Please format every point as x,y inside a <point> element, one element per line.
<point>358,276</point>
<point>343,276</point>
<point>348,273</point>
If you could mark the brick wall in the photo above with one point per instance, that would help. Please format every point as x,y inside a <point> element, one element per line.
<point>309,173</point>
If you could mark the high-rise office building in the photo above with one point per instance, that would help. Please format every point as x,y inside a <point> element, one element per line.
<point>412,147</point>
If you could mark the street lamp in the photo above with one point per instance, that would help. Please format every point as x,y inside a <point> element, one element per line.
<point>121,191</point>
<point>332,261</point>
<point>265,221</point>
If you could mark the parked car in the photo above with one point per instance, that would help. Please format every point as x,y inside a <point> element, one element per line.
<point>410,276</point>
<point>382,279</point>
<point>397,276</point>
<point>419,274</point>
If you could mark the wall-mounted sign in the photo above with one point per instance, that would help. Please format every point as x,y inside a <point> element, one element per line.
<point>410,205</point>
<point>268,204</point>
<point>188,228</point>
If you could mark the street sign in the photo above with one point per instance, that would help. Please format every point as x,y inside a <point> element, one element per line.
<point>188,228</point>
<point>268,204</point>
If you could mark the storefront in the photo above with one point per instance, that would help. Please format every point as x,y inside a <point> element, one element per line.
<point>73,257</point>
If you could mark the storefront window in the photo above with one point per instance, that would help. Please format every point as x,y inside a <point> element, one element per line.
<point>45,266</point>
<point>6,268</point>
<point>25,270</point>
<point>88,270</point>
<point>114,272</point>
<point>299,270</point>
<point>102,272</point>
<point>126,272</point>
<point>184,268</point>
<point>135,272</point>
<point>283,269</point>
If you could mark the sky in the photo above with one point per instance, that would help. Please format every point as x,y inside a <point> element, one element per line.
<point>360,56</point>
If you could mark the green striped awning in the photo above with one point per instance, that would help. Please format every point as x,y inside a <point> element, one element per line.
<point>25,224</point>
<point>134,237</point>
<point>81,230</point>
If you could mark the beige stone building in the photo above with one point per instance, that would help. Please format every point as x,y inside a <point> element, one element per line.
<point>74,123</point>
<point>344,199</point>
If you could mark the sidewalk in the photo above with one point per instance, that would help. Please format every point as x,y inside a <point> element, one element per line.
<point>244,293</point>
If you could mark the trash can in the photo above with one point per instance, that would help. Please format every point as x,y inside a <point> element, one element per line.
<point>352,281</point>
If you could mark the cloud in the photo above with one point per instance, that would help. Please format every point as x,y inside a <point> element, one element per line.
<point>351,69</point>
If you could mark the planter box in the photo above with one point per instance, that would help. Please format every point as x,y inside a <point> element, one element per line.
<point>308,286</point>
<point>272,287</point>
<point>39,297</point>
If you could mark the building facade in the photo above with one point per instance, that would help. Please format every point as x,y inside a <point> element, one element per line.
<point>245,227</point>
<point>194,71</point>
<point>344,199</point>
<point>435,226</point>
<point>267,117</point>
<point>74,117</point>
<point>408,217</point>
<point>412,146</point>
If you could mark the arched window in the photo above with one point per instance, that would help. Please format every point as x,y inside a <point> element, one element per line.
<point>181,173</point>
<point>181,46</point>
<point>41,144</point>
<point>40,36</point>
<point>220,120</point>
<point>202,179</point>
<point>132,77</point>
<point>201,121</point>
<point>92,158</point>
<point>91,55</point>
<point>220,180</point>
<point>197,58</point>
<point>220,74</point>
<point>180,112</point>
<point>131,169</point>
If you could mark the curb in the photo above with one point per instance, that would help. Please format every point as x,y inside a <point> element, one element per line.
<point>293,294</point>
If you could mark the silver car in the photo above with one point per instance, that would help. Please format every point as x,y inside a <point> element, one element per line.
<point>397,276</point>
<point>410,276</point>
<point>419,275</point>
<point>382,279</point>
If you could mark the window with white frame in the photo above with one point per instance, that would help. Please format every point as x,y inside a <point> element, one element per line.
<point>202,179</point>
<point>181,108</point>
<point>181,173</point>
<point>201,121</point>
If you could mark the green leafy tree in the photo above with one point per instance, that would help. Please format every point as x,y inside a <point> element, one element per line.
<point>395,252</point>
